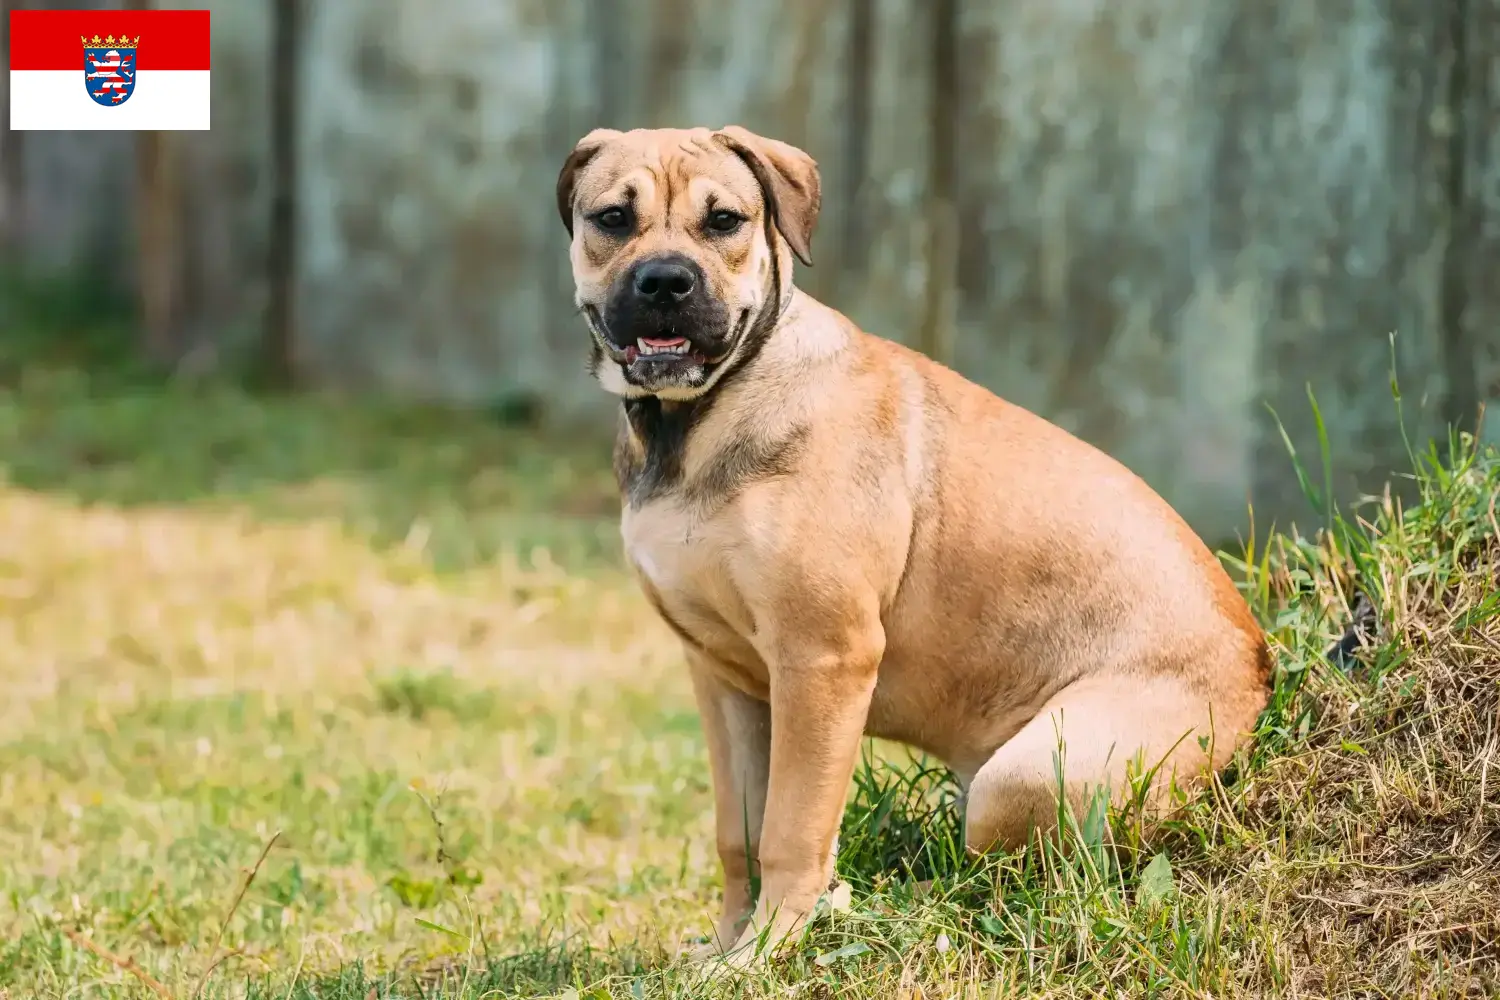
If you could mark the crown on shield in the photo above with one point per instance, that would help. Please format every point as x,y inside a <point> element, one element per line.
<point>109,42</point>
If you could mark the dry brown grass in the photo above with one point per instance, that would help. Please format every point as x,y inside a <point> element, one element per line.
<point>1392,801</point>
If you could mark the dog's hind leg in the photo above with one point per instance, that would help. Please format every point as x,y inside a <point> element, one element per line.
<point>1101,730</point>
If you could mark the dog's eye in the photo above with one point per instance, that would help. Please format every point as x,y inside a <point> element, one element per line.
<point>612,219</point>
<point>724,221</point>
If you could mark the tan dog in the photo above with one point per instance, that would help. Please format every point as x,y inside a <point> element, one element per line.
<point>850,539</point>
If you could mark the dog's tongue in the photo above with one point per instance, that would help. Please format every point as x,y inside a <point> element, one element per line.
<point>662,341</point>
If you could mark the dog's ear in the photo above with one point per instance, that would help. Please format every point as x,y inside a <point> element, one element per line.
<point>788,178</point>
<point>567,179</point>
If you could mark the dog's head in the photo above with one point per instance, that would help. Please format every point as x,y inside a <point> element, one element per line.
<point>681,243</point>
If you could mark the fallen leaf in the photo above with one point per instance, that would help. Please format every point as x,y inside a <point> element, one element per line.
<point>841,897</point>
<point>847,951</point>
<point>1156,883</point>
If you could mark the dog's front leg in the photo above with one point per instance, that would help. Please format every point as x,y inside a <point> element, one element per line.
<point>820,698</point>
<point>737,729</point>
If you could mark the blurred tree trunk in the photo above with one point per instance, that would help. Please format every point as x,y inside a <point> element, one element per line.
<point>942,221</point>
<point>12,170</point>
<point>159,228</point>
<point>158,192</point>
<point>1460,353</point>
<point>279,342</point>
<point>861,96</point>
<point>608,20</point>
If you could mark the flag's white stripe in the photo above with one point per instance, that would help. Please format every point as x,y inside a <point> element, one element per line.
<point>165,100</point>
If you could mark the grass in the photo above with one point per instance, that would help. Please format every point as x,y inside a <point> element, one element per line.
<point>394,651</point>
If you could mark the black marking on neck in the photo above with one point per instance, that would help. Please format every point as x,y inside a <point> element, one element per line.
<point>653,441</point>
<point>651,445</point>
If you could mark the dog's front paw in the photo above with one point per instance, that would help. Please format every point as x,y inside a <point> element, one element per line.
<point>699,950</point>
<point>749,951</point>
<point>705,962</point>
<point>727,930</point>
<point>764,937</point>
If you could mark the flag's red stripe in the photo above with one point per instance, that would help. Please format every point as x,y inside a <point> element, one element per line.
<point>170,39</point>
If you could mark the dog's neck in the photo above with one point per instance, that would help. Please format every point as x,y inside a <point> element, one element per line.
<point>742,406</point>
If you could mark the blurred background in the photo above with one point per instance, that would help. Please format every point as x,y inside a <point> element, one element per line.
<point>1151,221</point>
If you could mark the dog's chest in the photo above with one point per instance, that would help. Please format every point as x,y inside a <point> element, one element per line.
<point>684,566</point>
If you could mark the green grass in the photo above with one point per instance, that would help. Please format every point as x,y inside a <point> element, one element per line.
<point>402,640</point>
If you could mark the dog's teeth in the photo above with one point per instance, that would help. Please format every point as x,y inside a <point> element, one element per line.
<point>681,347</point>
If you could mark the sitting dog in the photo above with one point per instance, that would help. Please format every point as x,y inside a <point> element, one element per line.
<point>850,539</point>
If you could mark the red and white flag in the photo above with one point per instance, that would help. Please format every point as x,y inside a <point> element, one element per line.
<point>109,69</point>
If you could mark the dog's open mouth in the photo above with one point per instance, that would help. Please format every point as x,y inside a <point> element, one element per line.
<point>667,350</point>
<point>663,349</point>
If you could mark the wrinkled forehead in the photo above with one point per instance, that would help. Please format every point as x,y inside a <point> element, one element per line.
<point>650,169</point>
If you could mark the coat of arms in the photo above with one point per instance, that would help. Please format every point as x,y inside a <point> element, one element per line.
<point>109,68</point>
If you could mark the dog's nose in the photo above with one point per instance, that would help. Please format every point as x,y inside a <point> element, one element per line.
<point>663,282</point>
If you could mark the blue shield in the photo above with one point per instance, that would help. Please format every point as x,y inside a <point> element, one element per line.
<point>109,73</point>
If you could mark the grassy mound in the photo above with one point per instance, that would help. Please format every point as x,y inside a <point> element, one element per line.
<point>228,623</point>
